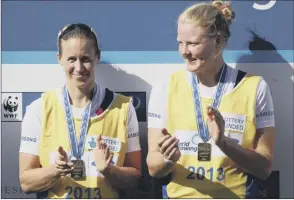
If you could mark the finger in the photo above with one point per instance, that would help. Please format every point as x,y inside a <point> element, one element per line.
<point>109,159</point>
<point>101,144</point>
<point>99,138</point>
<point>62,153</point>
<point>171,153</point>
<point>104,148</point>
<point>108,152</point>
<point>61,163</point>
<point>59,171</point>
<point>164,132</point>
<point>59,151</point>
<point>218,116</point>
<point>98,141</point>
<point>64,172</point>
<point>219,122</point>
<point>222,121</point>
<point>163,139</point>
<point>104,145</point>
<point>69,164</point>
<point>166,144</point>
<point>210,113</point>
<point>68,170</point>
<point>171,147</point>
<point>60,168</point>
<point>217,113</point>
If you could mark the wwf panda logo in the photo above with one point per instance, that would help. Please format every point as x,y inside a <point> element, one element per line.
<point>10,104</point>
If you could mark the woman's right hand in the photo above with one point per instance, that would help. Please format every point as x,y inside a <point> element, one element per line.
<point>168,146</point>
<point>62,166</point>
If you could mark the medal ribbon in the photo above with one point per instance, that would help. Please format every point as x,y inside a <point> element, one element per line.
<point>77,147</point>
<point>202,128</point>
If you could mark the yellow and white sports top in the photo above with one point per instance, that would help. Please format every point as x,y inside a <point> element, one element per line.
<point>112,124</point>
<point>220,177</point>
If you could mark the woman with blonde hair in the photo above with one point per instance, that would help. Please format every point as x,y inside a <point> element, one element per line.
<point>210,126</point>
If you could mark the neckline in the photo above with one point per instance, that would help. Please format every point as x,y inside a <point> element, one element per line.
<point>231,92</point>
<point>224,80</point>
<point>189,86</point>
<point>107,107</point>
<point>59,96</point>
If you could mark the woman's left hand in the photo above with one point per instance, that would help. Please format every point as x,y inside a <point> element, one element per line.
<point>216,125</point>
<point>102,154</point>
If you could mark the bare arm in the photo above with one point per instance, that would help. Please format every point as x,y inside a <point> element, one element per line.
<point>32,177</point>
<point>256,161</point>
<point>155,158</point>
<point>127,176</point>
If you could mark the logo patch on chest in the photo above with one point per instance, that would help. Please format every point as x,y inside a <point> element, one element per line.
<point>234,122</point>
<point>113,143</point>
<point>188,141</point>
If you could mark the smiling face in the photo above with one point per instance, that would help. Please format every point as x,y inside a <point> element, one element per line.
<point>79,59</point>
<point>196,47</point>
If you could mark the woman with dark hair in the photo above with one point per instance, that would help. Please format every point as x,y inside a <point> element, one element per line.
<point>86,141</point>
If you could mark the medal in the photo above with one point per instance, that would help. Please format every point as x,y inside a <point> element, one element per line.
<point>79,169</point>
<point>204,149</point>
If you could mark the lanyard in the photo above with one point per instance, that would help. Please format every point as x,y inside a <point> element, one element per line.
<point>77,147</point>
<point>202,128</point>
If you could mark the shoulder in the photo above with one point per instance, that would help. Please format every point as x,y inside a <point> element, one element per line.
<point>264,107</point>
<point>35,107</point>
<point>247,79</point>
<point>179,75</point>
<point>119,101</point>
<point>56,92</point>
<point>263,85</point>
<point>121,98</point>
<point>163,83</point>
<point>263,91</point>
<point>251,76</point>
<point>49,97</point>
<point>241,73</point>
